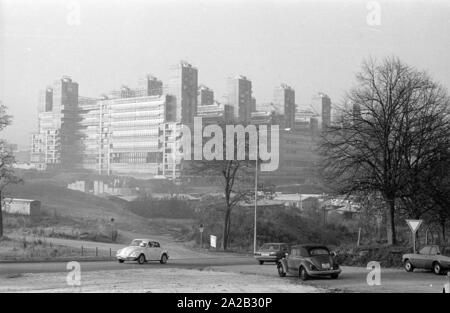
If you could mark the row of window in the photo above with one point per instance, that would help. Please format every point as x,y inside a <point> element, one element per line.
<point>145,122</point>
<point>131,145</point>
<point>138,118</point>
<point>135,133</point>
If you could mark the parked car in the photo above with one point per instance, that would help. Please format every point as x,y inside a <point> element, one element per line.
<point>309,260</point>
<point>271,252</point>
<point>431,257</point>
<point>143,250</point>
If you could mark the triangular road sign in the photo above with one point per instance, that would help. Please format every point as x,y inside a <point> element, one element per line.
<point>414,224</point>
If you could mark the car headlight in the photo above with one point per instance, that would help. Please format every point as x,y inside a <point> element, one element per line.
<point>119,251</point>
<point>312,267</point>
<point>134,254</point>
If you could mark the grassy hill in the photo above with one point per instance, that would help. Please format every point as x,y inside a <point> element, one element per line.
<point>62,207</point>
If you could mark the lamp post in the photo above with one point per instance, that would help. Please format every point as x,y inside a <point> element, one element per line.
<point>201,235</point>
<point>113,228</point>
<point>256,204</point>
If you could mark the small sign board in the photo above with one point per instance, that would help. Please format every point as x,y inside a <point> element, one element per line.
<point>201,228</point>
<point>213,241</point>
<point>414,225</point>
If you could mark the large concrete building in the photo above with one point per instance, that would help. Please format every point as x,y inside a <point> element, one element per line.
<point>205,96</point>
<point>306,119</point>
<point>127,136</point>
<point>297,156</point>
<point>183,85</point>
<point>150,86</point>
<point>240,97</point>
<point>129,132</point>
<point>321,106</point>
<point>55,143</point>
<point>284,100</point>
<point>136,131</point>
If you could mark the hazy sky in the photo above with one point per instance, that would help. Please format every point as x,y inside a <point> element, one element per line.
<point>313,46</point>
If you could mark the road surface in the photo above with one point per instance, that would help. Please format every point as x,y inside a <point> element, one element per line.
<point>11,269</point>
<point>190,275</point>
<point>354,279</point>
<point>224,274</point>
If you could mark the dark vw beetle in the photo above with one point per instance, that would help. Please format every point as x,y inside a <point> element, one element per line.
<point>308,261</point>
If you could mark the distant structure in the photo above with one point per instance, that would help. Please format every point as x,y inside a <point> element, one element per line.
<point>240,97</point>
<point>306,118</point>
<point>216,113</point>
<point>150,86</point>
<point>284,99</point>
<point>21,206</point>
<point>136,131</point>
<point>55,143</point>
<point>127,132</point>
<point>253,105</point>
<point>183,85</point>
<point>128,136</point>
<point>205,95</point>
<point>321,106</point>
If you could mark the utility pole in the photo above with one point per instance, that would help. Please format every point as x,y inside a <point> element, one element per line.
<point>201,235</point>
<point>256,204</point>
<point>324,210</point>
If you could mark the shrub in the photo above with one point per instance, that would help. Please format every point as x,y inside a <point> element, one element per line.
<point>164,208</point>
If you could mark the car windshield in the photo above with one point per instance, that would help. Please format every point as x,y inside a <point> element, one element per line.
<point>137,243</point>
<point>318,251</point>
<point>270,247</point>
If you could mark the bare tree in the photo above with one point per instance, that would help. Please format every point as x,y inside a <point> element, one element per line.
<point>436,189</point>
<point>393,124</point>
<point>6,163</point>
<point>235,177</point>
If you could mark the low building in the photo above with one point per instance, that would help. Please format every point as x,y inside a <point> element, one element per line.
<point>21,206</point>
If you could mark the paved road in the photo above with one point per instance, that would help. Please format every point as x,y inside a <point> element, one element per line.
<point>11,269</point>
<point>354,279</point>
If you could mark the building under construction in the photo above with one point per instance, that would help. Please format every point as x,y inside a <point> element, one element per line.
<point>129,132</point>
<point>137,131</point>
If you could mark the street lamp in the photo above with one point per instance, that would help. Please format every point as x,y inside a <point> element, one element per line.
<point>201,228</point>
<point>256,203</point>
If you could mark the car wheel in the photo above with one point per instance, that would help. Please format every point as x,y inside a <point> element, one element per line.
<point>281,271</point>
<point>261,262</point>
<point>141,259</point>
<point>437,269</point>
<point>163,259</point>
<point>334,276</point>
<point>121,261</point>
<point>408,266</point>
<point>302,274</point>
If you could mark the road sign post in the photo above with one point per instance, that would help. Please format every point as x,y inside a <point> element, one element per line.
<point>414,226</point>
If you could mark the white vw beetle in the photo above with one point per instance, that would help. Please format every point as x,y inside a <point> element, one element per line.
<point>143,250</point>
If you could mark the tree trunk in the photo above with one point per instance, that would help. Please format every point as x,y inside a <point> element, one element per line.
<point>391,236</point>
<point>1,215</point>
<point>226,227</point>
<point>443,220</point>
